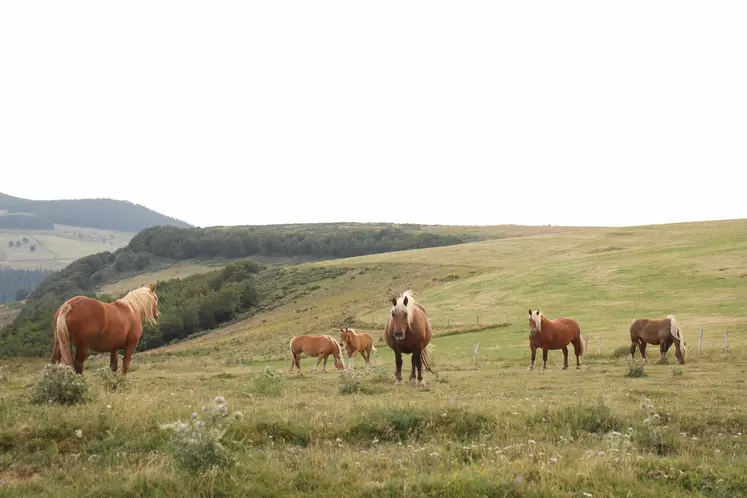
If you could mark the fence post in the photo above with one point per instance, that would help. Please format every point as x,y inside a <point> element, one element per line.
<point>599,348</point>
<point>474,353</point>
<point>586,343</point>
<point>478,320</point>
<point>700,342</point>
<point>726,342</point>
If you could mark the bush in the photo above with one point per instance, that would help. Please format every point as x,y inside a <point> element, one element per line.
<point>268,383</point>
<point>110,381</point>
<point>635,370</point>
<point>4,373</point>
<point>620,352</point>
<point>677,371</point>
<point>351,384</point>
<point>198,445</point>
<point>59,384</point>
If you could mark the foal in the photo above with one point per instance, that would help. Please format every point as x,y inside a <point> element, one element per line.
<point>320,346</point>
<point>357,342</point>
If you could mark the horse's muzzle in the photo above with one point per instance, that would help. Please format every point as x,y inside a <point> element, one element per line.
<point>399,335</point>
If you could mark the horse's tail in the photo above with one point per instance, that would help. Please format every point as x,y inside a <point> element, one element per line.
<point>290,346</point>
<point>676,332</point>
<point>62,334</point>
<point>424,357</point>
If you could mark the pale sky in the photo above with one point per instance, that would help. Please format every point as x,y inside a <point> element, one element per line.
<point>564,113</point>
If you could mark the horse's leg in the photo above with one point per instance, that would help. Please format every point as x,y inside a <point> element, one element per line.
<point>565,358</point>
<point>544,357</point>
<point>642,346</point>
<point>577,351</point>
<point>319,360</point>
<point>127,358</point>
<point>421,382</point>
<point>81,353</point>
<point>113,359</point>
<point>632,349</point>
<point>534,354</point>
<point>398,371</point>
<point>663,348</point>
<point>324,365</point>
<point>414,365</point>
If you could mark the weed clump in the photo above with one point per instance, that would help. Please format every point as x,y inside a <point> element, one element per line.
<point>198,445</point>
<point>635,370</point>
<point>351,384</point>
<point>677,371</point>
<point>110,381</point>
<point>620,352</point>
<point>59,384</point>
<point>269,383</point>
<point>4,373</point>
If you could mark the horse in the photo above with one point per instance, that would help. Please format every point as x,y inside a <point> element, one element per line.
<point>357,342</point>
<point>103,327</point>
<point>408,331</point>
<point>316,346</point>
<point>554,334</point>
<point>663,332</point>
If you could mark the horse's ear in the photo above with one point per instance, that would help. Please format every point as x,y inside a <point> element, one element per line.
<point>153,287</point>
<point>404,301</point>
<point>530,311</point>
<point>394,301</point>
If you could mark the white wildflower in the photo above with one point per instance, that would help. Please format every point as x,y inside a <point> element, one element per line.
<point>79,433</point>
<point>220,400</point>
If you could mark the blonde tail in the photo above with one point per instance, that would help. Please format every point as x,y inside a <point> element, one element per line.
<point>676,332</point>
<point>62,335</point>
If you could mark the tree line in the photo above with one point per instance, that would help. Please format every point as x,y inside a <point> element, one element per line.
<point>16,284</point>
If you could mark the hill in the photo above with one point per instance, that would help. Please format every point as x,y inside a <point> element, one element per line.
<point>480,428</point>
<point>157,249</point>
<point>104,214</point>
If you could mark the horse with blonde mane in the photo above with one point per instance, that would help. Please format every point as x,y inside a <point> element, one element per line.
<point>664,332</point>
<point>314,346</point>
<point>408,331</point>
<point>102,327</point>
<point>553,335</point>
<point>357,342</point>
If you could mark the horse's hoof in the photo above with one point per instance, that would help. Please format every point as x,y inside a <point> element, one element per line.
<point>421,383</point>
<point>398,382</point>
<point>578,367</point>
<point>412,381</point>
<point>530,369</point>
<point>565,367</point>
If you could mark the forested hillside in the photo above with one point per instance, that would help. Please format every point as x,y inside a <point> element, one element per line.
<point>204,301</point>
<point>90,213</point>
<point>15,285</point>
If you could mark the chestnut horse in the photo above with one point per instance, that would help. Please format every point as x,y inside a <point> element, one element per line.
<point>316,346</point>
<point>102,327</point>
<point>357,342</point>
<point>408,331</point>
<point>663,332</point>
<point>554,334</point>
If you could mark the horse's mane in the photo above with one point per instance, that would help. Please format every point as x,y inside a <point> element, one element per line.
<point>409,307</point>
<point>339,348</point>
<point>140,302</point>
<point>675,330</point>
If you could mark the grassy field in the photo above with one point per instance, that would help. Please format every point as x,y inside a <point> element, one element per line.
<point>57,248</point>
<point>480,428</point>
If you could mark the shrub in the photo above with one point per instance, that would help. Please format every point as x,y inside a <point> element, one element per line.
<point>677,371</point>
<point>635,370</point>
<point>198,445</point>
<point>351,384</point>
<point>268,383</point>
<point>4,373</point>
<point>620,352</point>
<point>59,384</point>
<point>110,381</point>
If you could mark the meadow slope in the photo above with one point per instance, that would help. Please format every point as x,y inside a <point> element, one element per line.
<point>484,428</point>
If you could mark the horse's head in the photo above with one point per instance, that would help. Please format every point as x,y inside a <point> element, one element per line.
<point>345,335</point>
<point>401,315</point>
<point>535,321</point>
<point>155,311</point>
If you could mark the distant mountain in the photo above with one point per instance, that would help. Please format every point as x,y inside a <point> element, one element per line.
<point>108,214</point>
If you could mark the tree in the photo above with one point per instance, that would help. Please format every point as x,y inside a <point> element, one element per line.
<point>25,240</point>
<point>11,244</point>
<point>18,243</point>
<point>32,248</point>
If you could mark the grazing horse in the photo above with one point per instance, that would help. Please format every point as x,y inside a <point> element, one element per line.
<point>408,331</point>
<point>663,332</point>
<point>103,327</point>
<point>357,342</point>
<point>316,346</point>
<point>554,334</point>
